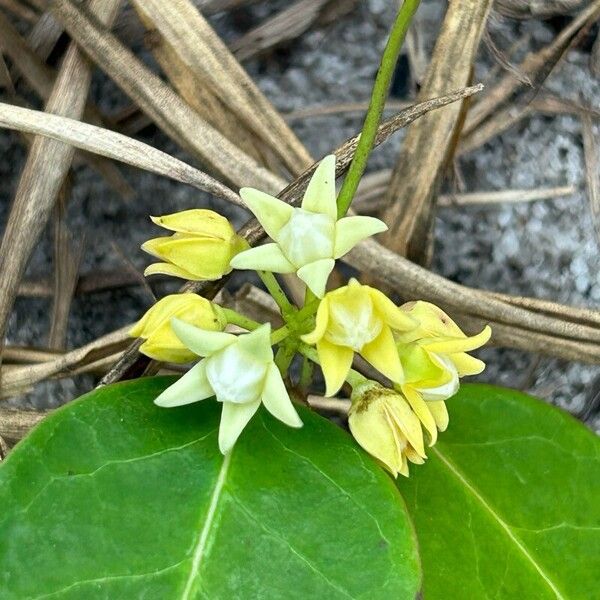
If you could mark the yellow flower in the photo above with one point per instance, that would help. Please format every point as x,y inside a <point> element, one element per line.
<point>434,357</point>
<point>307,239</point>
<point>383,423</point>
<point>154,327</point>
<point>357,318</point>
<point>201,248</point>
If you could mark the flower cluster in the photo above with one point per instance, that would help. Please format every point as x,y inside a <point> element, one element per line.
<point>419,353</point>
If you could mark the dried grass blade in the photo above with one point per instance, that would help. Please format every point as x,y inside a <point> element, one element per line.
<point>199,96</point>
<point>104,346</point>
<point>430,141</point>
<point>536,66</point>
<point>67,258</point>
<point>201,49</point>
<point>592,169</point>
<point>45,170</point>
<point>160,102</point>
<point>15,424</point>
<point>111,145</point>
<point>286,25</point>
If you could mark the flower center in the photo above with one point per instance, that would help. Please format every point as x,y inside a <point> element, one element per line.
<point>353,322</point>
<point>307,237</point>
<point>235,375</point>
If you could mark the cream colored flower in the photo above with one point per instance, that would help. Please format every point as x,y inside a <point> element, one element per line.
<point>154,327</point>
<point>307,240</point>
<point>239,371</point>
<point>434,357</point>
<point>383,423</point>
<point>201,248</point>
<point>357,318</point>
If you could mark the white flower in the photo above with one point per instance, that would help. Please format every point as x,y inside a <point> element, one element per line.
<point>307,239</point>
<point>238,370</point>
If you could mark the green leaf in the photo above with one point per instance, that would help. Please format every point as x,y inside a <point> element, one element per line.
<point>113,497</point>
<point>508,504</point>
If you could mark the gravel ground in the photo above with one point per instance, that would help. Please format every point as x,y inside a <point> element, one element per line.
<point>546,249</point>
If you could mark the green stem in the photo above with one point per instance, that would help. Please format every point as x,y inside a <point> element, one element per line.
<point>376,106</point>
<point>284,356</point>
<point>235,318</point>
<point>306,373</point>
<point>280,334</point>
<point>277,292</point>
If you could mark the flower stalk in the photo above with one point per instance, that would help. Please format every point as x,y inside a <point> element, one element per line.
<point>378,97</point>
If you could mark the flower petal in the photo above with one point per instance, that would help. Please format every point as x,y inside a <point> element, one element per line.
<point>466,365</point>
<point>371,428</point>
<point>320,324</point>
<point>320,194</point>
<point>390,313</point>
<point>335,363</point>
<point>272,213</point>
<point>192,387</point>
<point>351,230</point>
<point>198,221</point>
<point>383,355</point>
<point>451,345</point>
<point>201,341</point>
<point>408,423</point>
<point>169,269</point>
<point>267,257</point>
<point>174,352</point>
<point>316,274</point>
<point>421,409</point>
<point>440,414</point>
<point>277,400</point>
<point>257,343</point>
<point>234,418</point>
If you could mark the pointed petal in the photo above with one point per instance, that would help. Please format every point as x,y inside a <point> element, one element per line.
<point>320,324</point>
<point>272,213</point>
<point>234,418</point>
<point>413,456</point>
<point>421,409</point>
<point>257,343</point>
<point>201,341</point>
<point>383,355</point>
<point>351,230</point>
<point>169,269</point>
<point>452,345</point>
<point>267,257</point>
<point>316,274</point>
<point>466,364</point>
<point>335,363</point>
<point>276,399</point>
<point>440,414</point>
<point>167,353</point>
<point>390,313</point>
<point>373,429</point>
<point>192,387</point>
<point>320,194</point>
<point>198,221</point>
<point>404,469</point>
<point>408,423</point>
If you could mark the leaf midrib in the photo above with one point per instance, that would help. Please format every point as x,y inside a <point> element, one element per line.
<point>518,543</point>
<point>203,538</point>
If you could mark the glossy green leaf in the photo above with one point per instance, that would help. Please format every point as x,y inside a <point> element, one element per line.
<point>508,504</point>
<point>113,497</point>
